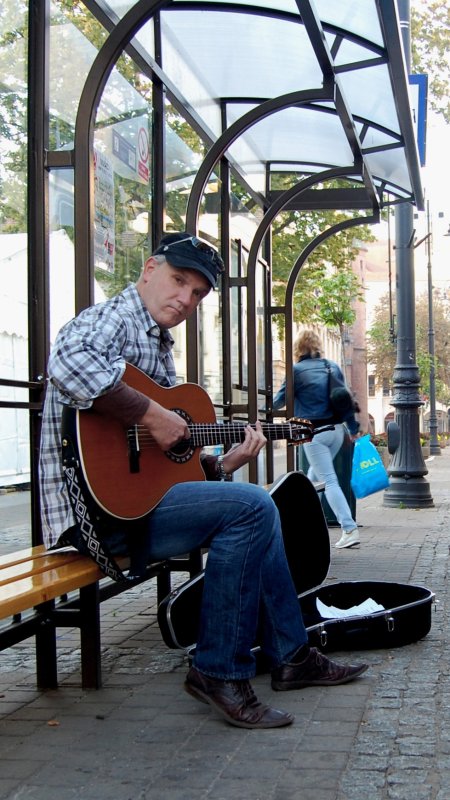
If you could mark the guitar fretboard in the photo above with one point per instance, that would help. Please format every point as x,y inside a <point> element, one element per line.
<point>212,433</point>
<point>204,434</point>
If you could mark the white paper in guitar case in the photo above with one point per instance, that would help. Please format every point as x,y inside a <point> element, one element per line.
<point>368,606</point>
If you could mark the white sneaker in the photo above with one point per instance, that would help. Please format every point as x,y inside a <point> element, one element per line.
<point>349,539</point>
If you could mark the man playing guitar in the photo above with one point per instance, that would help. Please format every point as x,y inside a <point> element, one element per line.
<point>247,577</point>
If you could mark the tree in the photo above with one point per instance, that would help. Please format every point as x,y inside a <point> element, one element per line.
<point>331,309</point>
<point>292,232</point>
<point>430,45</point>
<point>381,349</point>
<point>13,124</point>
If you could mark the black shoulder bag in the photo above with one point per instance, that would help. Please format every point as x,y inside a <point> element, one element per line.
<point>341,399</point>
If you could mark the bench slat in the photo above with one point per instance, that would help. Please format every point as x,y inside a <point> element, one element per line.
<point>35,575</point>
<point>33,566</point>
<point>23,594</point>
<point>22,555</point>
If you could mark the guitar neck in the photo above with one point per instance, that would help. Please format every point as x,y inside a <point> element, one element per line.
<point>204,434</point>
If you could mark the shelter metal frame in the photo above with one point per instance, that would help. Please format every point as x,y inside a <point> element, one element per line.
<point>373,194</point>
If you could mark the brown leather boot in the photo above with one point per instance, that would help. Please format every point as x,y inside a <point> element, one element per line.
<point>314,670</point>
<point>235,701</point>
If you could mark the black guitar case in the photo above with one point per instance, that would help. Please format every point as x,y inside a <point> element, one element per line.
<point>404,618</point>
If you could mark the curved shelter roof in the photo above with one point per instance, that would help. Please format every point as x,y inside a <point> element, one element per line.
<point>329,78</point>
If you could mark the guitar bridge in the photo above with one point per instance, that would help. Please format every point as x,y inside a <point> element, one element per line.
<point>133,449</point>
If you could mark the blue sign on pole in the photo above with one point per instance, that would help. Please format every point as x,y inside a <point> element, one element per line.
<point>419,92</point>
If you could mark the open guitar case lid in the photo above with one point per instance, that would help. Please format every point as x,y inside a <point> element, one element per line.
<point>406,614</point>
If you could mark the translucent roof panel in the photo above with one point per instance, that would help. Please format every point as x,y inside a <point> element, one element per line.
<point>225,57</point>
<point>365,91</point>
<point>288,135</point>
<point>359,18</point>
<point>198,37</point>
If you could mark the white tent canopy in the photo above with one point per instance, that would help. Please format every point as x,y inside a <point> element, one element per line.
<point>14,434</point>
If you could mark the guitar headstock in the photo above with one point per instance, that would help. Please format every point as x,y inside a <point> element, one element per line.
<point>302,430</point>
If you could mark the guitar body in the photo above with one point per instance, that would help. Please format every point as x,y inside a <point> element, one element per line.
<point>104,451</point>
<point>126,473</point>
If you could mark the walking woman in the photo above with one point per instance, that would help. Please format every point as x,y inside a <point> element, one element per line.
<point>311,401</point>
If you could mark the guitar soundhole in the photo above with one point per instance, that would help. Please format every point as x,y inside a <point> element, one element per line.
<point>183,451</point>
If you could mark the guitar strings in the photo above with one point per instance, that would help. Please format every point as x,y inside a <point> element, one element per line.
<point>204,434</point>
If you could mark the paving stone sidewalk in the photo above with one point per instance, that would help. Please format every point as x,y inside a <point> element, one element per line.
<point>142,738</point>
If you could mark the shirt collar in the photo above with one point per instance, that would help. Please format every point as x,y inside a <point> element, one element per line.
<point>144,317</point>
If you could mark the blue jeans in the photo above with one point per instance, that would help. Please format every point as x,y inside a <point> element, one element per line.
<point>320,454</point>
<point>247,583</point>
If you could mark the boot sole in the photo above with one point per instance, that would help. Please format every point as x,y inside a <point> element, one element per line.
<point>284,686</point>
<point>347,546</point>
<point>199,695</point>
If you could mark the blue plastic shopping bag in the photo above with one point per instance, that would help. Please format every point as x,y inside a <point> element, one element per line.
<point>368,472</point>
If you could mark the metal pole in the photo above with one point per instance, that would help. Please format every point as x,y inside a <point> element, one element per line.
<point>38,236</point>
<point>434,442</point>
<point>408,486</point>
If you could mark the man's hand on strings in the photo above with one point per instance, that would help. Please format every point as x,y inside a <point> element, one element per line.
<point>241,454</point>
<point>166,427</point>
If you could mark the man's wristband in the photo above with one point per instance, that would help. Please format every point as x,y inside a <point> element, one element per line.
<point>220,472</point>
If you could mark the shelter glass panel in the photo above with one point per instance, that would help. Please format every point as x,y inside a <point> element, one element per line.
<point>260,322</point>
<point>120,7</point>
<point>75,38</point>
<point>61,250</point>
<point>184,154</point>
<point>14,365</point>
<point>185,151</point>
<point>122,177</point>
<point>116,10</point>
<point>13,117</point>
<point>238,326</point>
<point>211,374</point>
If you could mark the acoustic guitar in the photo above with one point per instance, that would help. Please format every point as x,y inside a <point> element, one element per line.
<point>127,473</point>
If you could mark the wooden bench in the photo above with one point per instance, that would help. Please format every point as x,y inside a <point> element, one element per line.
<point>40,591</point>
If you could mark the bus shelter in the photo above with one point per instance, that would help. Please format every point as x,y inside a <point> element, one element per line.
<point>122,120</point>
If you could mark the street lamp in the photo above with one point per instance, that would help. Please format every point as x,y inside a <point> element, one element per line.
<point>434,442</point>
<point>435,448</point>
<point>408,486</point>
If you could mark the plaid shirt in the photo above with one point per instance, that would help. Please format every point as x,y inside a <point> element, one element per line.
<point>88,359</point>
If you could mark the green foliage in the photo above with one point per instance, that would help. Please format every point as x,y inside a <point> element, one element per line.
<point>292,232</point>
<point>430,45</point>
<point>331,309</point>
<point>13,128</point>
<point>379,439</point>
<point>75,11</point>
<point>381,351</point>
<point>176,200</point>
<point>184,130</point>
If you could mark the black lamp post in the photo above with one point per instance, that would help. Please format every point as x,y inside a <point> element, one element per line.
<point>435,448</point>
<point>434,442</point>
<point>408,486</point>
